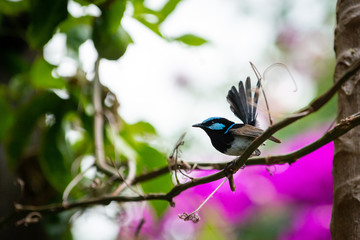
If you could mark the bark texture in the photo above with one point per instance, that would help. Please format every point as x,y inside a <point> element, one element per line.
<point>345,222</point>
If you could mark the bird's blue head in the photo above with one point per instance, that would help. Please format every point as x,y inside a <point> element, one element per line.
<point>215,125</point>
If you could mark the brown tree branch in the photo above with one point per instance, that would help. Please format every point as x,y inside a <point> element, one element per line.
<point>104,200</point>
<point>341,128</point>
<point>338,130</point>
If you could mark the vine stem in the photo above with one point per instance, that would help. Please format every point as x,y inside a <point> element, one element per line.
<point>207,199</point>
<point>99,123</point>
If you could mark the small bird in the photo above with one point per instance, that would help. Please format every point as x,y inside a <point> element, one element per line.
<point>233,138</point>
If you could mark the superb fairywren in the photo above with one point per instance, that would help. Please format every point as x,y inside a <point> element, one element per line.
<point>233,138</point>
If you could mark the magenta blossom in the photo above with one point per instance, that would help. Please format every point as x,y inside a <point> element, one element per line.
<point>301,194</point>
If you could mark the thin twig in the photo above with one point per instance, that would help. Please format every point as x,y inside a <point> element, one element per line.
<point>73,183</point>
<point>127,181</point>
<point>131,161</point>
<point>212,194</point>
<point>173,159</point>
<point>193,216</point>
<point>259,77</point>
<point>286,68</point>
<point>180,171</point>
<point>139,227</point>
<point>32,217</point>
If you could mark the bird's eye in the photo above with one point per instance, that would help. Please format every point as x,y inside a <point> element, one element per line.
<point>217,126</point>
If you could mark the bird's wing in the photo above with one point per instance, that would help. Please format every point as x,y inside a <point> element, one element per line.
<point>251,131</point>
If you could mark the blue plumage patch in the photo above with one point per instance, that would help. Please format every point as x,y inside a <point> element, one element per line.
<point>229,128</point>
<point>210,119</point>
<point>217,126</point>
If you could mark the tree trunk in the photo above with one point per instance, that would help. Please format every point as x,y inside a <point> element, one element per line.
<point>345,222</point>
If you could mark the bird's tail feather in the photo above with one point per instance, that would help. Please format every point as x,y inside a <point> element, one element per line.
<point>243,103</point>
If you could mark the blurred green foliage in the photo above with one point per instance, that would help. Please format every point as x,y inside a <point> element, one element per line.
<point>267,224</point>
<point>44,18</point>
<point>48,119</point>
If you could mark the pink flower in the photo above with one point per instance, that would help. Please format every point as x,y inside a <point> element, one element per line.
<point>309,180</point>
<point>300,193</point>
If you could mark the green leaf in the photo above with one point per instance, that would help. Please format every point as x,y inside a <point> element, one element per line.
<point>140,127</point>
<point>141,13</point>
<point>112,15</point>
<point>26,118</point>
<point>41,76</point>
<point>108,45</point>
<point>76,36</point>
<point>191,40</point>
<point>58,226</point>
<point>149,159</point>
<point>72,22</point>
<point>141,10</point>
<point>45,16</point>
<point>88,2</point>
<point>13,7</point>
<point>159,206</point>
<point>168,8</point>
<point>7,117</point>
<point>51,160</point>
<point>133,134</point>
<point>152,26</point>
<point>110,39</point>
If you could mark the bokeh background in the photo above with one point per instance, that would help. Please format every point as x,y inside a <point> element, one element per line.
<point>173,84</point>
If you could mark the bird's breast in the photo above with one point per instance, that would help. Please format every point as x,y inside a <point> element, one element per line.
<point>238,146</point>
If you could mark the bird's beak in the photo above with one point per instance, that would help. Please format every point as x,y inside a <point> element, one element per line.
<point>197,125</point>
